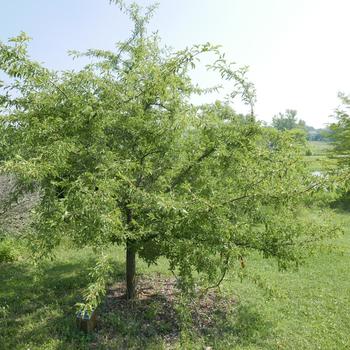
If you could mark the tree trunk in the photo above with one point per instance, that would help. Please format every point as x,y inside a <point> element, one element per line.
<point>130,271</point>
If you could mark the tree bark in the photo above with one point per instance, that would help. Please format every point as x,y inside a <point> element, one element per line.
<point>130,271</point>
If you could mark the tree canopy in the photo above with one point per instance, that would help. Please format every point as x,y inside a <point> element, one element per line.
<point>285,121</point>
<point>288,121</point>
<point>339,134</point>
<point>121,156</point>
<point>340,130</point>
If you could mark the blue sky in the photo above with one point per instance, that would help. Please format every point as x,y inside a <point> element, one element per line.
<point>297,50</point>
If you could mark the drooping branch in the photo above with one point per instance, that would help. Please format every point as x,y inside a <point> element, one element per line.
<point>223,275</point>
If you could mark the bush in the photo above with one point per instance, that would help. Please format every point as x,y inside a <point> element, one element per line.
<point>342,202</point>
<point>7,251</point>
<point>308,152</point>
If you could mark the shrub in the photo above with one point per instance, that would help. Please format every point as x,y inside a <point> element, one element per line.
<point>308,152</point>
<point>8,252</point>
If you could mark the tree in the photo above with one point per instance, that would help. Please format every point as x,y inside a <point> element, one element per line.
<point>340,131</point>
<point>339,134</point>
<point>121,156</point>
<point>285,121</point>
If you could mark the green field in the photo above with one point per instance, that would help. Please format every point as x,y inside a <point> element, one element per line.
<point>304,309</point>
<point>308,309</point>
<point>144,204</point>
<point>320,159</point>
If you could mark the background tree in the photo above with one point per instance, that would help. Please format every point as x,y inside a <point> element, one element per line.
<point>285,121</point>
<point>288,121</point>
<point>340,130</point>
<point>339,134</point>
<point>121,156</point>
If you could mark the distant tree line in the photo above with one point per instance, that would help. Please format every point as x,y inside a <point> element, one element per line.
<point>288,121</point>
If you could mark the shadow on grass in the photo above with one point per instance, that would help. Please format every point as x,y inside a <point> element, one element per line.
<point>243,325</point>
<point>38,311</point>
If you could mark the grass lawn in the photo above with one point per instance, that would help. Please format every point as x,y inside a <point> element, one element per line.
<point>308,309</point>
<point>319,148</point>
<point>319,159</point>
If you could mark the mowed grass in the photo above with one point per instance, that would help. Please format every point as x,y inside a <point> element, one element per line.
<point>305,309</point>
<point>319,148</point>
<point>320,159</point>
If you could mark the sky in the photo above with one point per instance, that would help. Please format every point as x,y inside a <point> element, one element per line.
<point>298,50</point>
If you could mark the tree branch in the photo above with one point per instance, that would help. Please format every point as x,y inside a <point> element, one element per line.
<point>180,177</point>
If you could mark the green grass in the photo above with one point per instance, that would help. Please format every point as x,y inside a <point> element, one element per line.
<point>319,148</point>
<point>319,159</point>
<point>308,309</point>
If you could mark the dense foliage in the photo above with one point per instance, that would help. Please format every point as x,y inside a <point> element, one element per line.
<point>121,156</point>
<point>340,130</point>
<point>288,121</point>
<point>340,136</point>
<point>285,121</point>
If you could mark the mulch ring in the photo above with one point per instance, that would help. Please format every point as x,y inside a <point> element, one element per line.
<point>154,312</point>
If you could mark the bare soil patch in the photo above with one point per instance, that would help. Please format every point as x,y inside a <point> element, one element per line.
<point>156,312</point>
